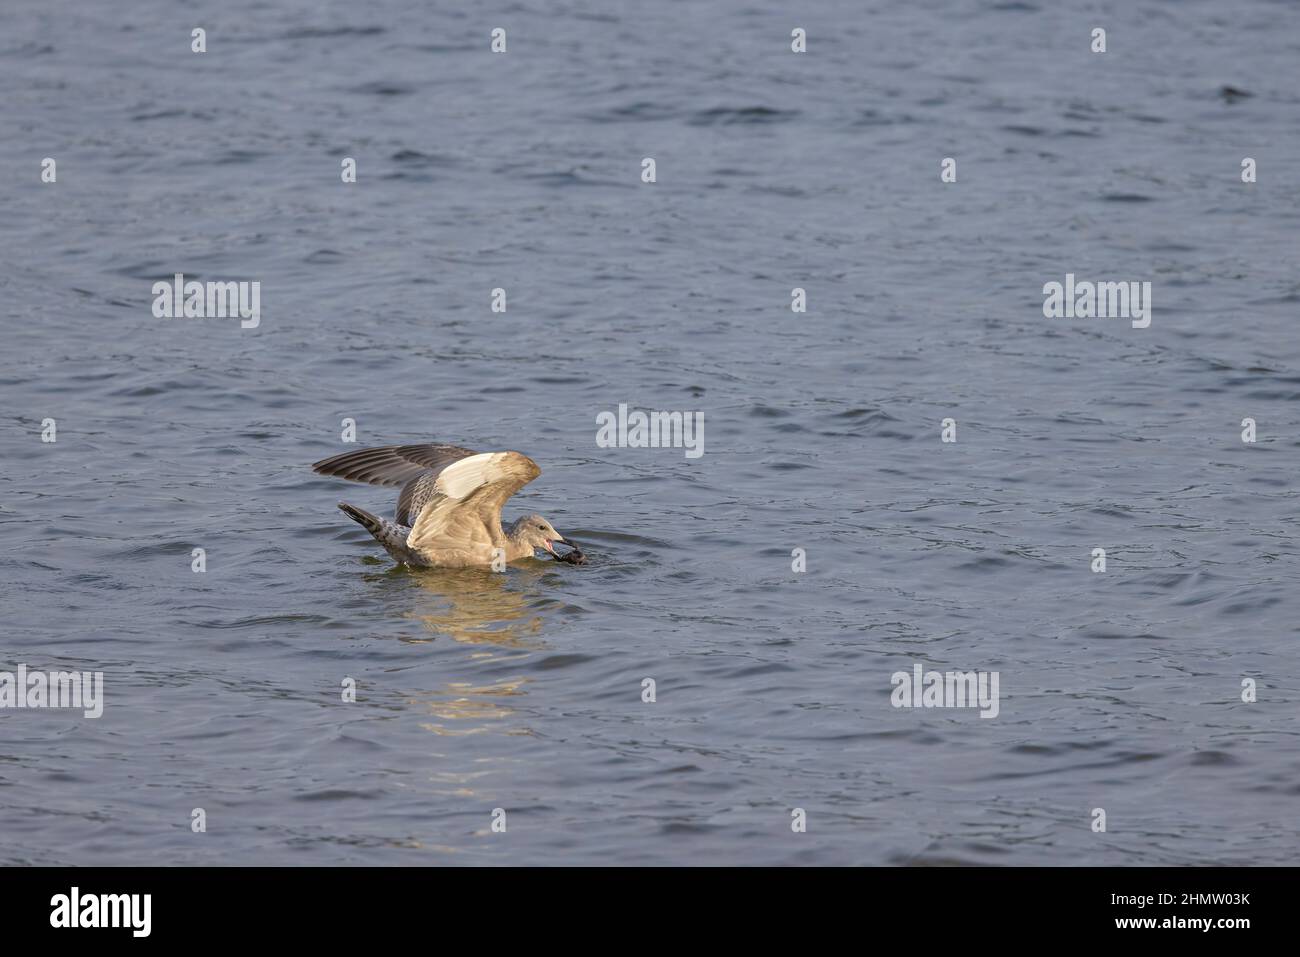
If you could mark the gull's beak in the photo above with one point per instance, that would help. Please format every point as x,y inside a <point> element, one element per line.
<point>549,547</point>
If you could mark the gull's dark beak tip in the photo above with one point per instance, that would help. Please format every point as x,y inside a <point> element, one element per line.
<point>574,557</point>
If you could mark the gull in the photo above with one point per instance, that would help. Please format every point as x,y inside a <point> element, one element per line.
<point>449,510</point>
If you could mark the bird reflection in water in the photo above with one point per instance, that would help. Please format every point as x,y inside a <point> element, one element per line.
<point>499,613</point>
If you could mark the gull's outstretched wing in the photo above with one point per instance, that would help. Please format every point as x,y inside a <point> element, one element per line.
<point>414,467</point>
<point>463,507</point>
<point>390,464</point>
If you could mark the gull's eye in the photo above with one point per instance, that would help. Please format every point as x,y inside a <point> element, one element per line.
<point>542,527</point>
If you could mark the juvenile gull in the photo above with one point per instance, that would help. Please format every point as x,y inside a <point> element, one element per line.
<point>449,510</point>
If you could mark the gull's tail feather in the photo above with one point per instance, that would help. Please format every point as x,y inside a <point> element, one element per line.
<point>372,523</point>
<point>389,534</point>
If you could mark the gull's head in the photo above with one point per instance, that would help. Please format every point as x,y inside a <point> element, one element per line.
<point>538,532</point>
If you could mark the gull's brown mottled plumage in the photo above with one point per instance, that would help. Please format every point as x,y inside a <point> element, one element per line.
<point>449,509</point>
<point>414,467</point>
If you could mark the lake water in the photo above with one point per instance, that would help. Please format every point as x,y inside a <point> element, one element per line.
<point>1119,690</point>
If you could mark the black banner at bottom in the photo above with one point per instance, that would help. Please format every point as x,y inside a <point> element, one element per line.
<point>302,906</point>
